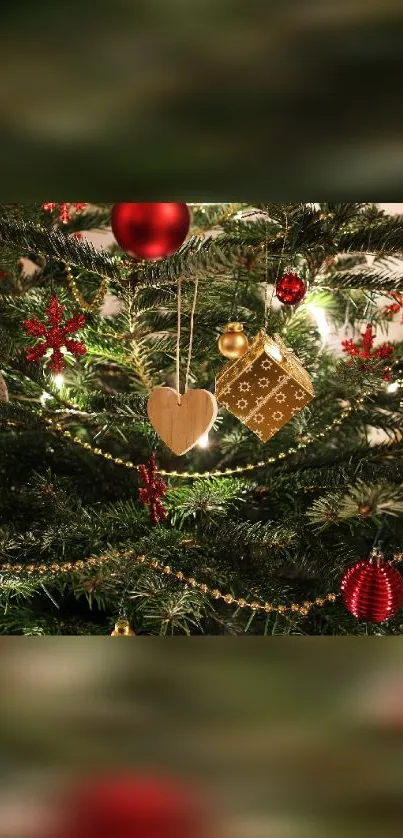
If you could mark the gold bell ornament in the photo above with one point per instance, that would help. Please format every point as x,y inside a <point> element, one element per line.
<point>122,629</point>
<point>233,343</point>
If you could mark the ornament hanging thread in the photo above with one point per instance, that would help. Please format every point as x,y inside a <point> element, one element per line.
<point>180,420</point>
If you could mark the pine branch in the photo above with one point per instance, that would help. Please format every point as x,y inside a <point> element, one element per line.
<point>382,275</point>
<point>27,238</point>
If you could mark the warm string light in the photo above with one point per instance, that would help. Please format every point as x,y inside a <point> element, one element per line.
<point>45,398</point>
<point>58,428</point>
<point>319,315</point>
<point>203,442</point>
<point>59,381</point>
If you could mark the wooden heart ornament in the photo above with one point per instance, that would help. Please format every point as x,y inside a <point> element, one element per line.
<point>180,426</point>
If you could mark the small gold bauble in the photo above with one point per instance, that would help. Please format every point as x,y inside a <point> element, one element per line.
<point>122,629</point>
<point>233,343</point>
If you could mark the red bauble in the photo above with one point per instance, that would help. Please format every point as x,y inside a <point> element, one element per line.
<point>290,289</point>
<point>130,807</point>
<point>150,231</point>
<point>373,589</point>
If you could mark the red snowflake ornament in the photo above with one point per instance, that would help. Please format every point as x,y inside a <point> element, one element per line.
<point>55,335</point>
<point>64,210</point>
<point>154,489</point>
<point>365,350</point>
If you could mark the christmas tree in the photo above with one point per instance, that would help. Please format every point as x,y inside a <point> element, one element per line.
<point>255,527</point>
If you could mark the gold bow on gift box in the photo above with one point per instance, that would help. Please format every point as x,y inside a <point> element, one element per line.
<point>266,387</point>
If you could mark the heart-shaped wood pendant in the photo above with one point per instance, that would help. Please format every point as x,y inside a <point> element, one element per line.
<point>180,426</point>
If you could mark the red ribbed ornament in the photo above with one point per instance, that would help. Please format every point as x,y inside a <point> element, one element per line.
<point>373,589</point>
<point>290,289</point>
<point>150,230</point>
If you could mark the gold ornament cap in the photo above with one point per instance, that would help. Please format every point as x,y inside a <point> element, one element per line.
<point>122,629</point>
<point>234,327</point>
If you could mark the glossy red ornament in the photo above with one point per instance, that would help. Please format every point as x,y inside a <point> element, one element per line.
<point>373,589</point>
<point>123,806</point>
<point>290,289</point>
<point>150,231</point>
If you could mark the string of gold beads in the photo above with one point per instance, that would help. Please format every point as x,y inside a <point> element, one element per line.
<point>188,475</point>
<point>214,593</point>
<point>240,602</point>
<point>80,300</point>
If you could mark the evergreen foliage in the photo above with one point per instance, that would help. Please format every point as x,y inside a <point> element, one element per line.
<point>283,533</point>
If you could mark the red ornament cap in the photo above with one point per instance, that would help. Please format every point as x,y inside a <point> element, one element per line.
<point>150,230</point>
<point>372,589</point>
<point>290,289</point>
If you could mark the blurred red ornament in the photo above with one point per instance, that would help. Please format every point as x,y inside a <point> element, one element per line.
<point>131,807</point>
<point>54,335</point>
<point>151,230</point>
<point>392,309</point>
<point>373,589</point>
<point>64,210</point>
<point>154,489</point>
<point>290,289</point>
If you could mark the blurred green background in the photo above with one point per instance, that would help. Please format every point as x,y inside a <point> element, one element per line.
<point>162,100</point>
<point>289,738</point>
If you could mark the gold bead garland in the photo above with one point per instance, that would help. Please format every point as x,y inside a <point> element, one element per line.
<point>266,607</point>
<point>188,475</point>
<point>99,296</point>
<point>166,570</point>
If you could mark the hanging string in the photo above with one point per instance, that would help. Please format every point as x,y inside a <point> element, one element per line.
<point>178,342</point>
<point>234,303</point>
<point>267,302</point>
<point>52,278</point>
<point>192,314</point>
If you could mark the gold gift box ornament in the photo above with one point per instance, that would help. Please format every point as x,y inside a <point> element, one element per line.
<point>266,387</point>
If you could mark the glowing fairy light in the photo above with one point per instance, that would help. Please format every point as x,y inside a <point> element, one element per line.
<point>203,442</point>
<point>319,315</point>
<point>59,381</point>
<point>44,398</point>
<point>393,387</point>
